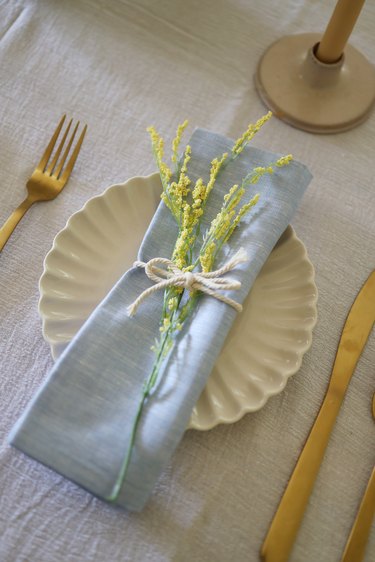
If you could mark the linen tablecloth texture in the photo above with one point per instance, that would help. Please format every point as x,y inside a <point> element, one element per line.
<point>81,421</point>
<point>121,65</point>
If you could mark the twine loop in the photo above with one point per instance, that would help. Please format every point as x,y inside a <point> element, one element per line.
<point>209,282</point>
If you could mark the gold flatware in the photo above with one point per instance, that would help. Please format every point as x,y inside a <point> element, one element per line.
<point>286,522</point>
<point>356,544</point>
<point>48,179</point>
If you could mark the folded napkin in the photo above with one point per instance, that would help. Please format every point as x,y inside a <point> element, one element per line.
<point>79,423</point>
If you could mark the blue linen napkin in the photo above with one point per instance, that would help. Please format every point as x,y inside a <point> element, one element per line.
<point>79,422</point>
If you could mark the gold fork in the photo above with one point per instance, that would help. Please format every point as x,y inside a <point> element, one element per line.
<point>356,545</point>
<point>47,180</point>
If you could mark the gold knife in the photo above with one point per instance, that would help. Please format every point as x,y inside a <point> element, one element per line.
<point>286,522</point>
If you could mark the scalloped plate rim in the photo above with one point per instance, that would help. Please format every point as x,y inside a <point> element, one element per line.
<point>243,409</point>
<point>60,235</point>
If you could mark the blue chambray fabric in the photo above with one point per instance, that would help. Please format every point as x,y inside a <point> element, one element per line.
<point>80,420</point>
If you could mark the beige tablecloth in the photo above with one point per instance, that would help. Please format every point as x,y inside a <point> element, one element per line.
<point>120,66</point>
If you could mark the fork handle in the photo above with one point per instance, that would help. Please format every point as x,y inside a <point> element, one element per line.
<point>11,223</point>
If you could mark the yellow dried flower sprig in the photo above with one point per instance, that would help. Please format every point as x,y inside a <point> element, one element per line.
<point>187,204</point>
<point>227,220</point>
<point>177,141</point>
<point>249,134</point>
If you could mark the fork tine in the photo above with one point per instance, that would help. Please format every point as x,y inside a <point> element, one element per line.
<point>51,144</point>
<point>66,152</point>
<point>50,168</point>
<point>73,158</point>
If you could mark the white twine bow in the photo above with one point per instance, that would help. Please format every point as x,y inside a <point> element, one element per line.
<point>207,282</point>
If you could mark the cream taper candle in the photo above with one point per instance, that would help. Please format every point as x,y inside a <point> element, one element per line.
<point>338,30</point>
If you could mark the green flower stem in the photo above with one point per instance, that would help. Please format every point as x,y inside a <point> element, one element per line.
<point>124,467</point>
<point>147,387</point>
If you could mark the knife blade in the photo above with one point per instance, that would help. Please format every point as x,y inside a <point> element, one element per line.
<point>287,520</point>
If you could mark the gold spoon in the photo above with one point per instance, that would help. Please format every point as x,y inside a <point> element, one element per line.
<point>356,544</point>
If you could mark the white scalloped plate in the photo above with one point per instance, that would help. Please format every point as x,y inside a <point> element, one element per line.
<point>267,341</point>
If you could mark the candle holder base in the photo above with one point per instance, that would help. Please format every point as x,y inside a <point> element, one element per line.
<point>311,95</point>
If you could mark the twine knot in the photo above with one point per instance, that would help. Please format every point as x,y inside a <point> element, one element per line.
<point>189,280</point>
<point>209,282</point>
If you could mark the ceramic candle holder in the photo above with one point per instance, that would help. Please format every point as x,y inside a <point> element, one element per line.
<point>312,95</point>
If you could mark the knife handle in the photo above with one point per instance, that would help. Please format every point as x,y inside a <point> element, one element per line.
<point>356,545</point>
<point>286,522</point>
